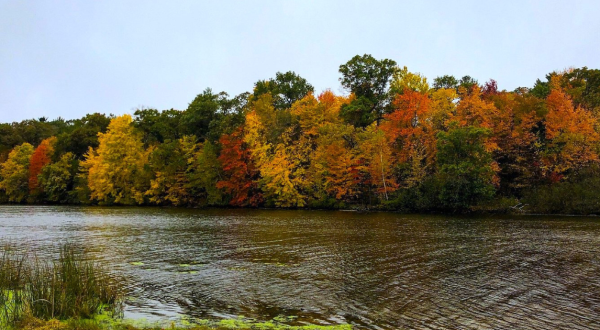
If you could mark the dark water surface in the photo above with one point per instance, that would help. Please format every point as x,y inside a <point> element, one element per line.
<point>375,271</point>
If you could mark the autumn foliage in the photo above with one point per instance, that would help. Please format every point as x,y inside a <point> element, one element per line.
<point>240,172</point>
<point>393,141</point>
<point>39,159</point>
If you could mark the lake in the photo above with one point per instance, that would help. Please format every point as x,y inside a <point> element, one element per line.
<point>372,270</point>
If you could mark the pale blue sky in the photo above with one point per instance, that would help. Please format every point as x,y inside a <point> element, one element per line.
<point>69,58</point>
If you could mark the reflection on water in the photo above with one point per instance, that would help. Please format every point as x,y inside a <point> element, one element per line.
<point>376,271</point>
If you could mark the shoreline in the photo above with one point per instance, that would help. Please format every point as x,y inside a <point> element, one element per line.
<point>374,210</point>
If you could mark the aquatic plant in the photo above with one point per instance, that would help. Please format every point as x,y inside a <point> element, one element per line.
<point>70,287</point>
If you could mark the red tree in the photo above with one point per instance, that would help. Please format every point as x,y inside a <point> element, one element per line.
<point>241,174</point>
<point>39,159</point>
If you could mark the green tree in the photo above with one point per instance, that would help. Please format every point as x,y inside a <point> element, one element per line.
<point>169,163</point>
<point>211,115</point>
<point>465,168</point>
<point>445,82</point>
<point>158,126</point>
<point>80,135</point>
<point>368,79</point>
<point>15,173</point>
<point>285,89</point>
<point>204,172</point>
<point>57,179</point>
<point>583,85</point>
<point>467,82</point>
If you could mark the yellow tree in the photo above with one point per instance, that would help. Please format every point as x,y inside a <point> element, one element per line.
<point>269,152</point>
<point>115,170</point>
<point>403,80</point>
<point>375,154</point>
<point>284,159</point>
<point>14,173</point>
<point>443,107</point>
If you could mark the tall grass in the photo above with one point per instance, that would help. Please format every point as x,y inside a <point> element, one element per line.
<point>70,287</point>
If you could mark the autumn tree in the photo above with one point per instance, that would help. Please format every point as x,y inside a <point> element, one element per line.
<point>334,169</point>
<point>376,161</point>
<point>14,173</point>
<point>411,134</point>
<point>116,169</point>
<point>240,175</point>
<point>40,158</point>
<point>473,110</point>
<point>570,133</point>
<point>443,107</point>
<point>405,80</point>
<point>516,129</point>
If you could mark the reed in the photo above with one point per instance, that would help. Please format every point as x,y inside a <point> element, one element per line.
<point>70,287</point>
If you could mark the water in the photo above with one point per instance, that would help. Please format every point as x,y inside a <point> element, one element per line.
<point>375,271</point>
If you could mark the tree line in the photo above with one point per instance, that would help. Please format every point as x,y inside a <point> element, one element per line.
<point>395,141</point>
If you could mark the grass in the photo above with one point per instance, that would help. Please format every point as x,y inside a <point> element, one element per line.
<point>71,287</point>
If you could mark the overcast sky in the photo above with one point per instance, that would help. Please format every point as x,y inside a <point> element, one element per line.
<point>69,58</point>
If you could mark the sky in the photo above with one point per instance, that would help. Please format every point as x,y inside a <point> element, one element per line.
<point>69,58</point>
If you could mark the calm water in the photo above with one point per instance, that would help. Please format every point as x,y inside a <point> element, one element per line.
<point>375,271</point>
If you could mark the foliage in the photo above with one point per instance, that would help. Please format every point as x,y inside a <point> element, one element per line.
<point>285,89</point>
<point>368,79</point>
<point>169,162</point>
<point>204,172</point>
<point>404,80</point>
<point>465,170</point>
<point>240,174</point>
<point>158,126</point>
<point>81,134</point>
<point>57,179</point>
<point>15,173</point>
<point>40,158</point>
<point>445,82</point>
<point>116,169</point>
<point>392,142</point>
<point>576,195</point>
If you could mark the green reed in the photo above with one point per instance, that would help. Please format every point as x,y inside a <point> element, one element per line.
<point>70,287</point>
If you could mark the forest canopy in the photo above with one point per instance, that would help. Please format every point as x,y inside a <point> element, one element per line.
<point>394,141</point>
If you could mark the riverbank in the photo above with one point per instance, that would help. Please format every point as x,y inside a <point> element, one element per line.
<point>235,324</point>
